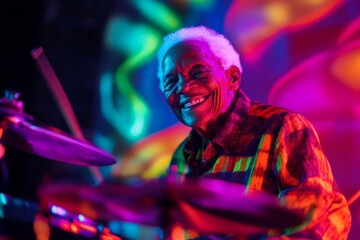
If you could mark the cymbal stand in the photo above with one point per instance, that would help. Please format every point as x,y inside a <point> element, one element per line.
<point>9,105</point>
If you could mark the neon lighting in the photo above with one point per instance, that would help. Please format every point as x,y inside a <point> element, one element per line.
<point>13,119</point>
<point>58,210</point>
<point>177,232</point>
<point>63,224</point>
<point>106,235</point>
<point>81,217</point>
<point>17,202</point>
<point>253,25</point>
<point>346,69</point>
<point>140,108</point>
<point>108,108</point>
<point>104,142</point>
<point>164,17</point>
<point>2,202</point>
<point>126,111</point>
<point>3,199</point>
<point>278,12</point>
<point>74,228</point>
<point>150,156</point>
<point>201,3</point>
<point>349,32</point>
<point>87,227</point>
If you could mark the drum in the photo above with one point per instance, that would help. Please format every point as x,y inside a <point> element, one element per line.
<point>24,219</point>
<point>225,208</point>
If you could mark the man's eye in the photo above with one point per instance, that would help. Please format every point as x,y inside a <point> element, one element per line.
<point>199,74</point>
<point>169,84</point>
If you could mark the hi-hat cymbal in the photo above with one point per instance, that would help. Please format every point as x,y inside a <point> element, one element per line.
<point>206,206</point>
<point>49,142</point>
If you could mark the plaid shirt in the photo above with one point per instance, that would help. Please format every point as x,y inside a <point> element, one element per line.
<point>271,149</point>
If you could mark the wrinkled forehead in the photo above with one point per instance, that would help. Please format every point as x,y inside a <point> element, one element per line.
<point>186,52</point>
<point>190,45</point>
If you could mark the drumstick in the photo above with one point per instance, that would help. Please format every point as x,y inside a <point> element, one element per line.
<point>61,100</point>
<point>354,197</point>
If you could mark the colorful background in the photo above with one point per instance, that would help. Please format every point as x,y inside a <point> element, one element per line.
<point>304,55</point>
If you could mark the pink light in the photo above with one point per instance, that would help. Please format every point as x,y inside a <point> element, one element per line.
<point>106,235</point>
<point>86,227</point>
<point>13,119</point>
<point>253,25</point>
<point>74,228</point>
<point>58,210</point>
<point>63,224</point>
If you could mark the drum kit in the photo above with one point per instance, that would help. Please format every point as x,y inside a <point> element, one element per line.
<point>204,206</point>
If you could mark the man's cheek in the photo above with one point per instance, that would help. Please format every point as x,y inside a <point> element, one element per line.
<point>170,99</point>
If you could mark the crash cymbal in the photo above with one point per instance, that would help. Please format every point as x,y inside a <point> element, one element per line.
<point>49,142</point>
<point>206,206</point>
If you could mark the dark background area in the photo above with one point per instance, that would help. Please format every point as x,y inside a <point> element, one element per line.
<point>72,43</point>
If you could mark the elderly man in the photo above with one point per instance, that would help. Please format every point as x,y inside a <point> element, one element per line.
<point>266,148</point>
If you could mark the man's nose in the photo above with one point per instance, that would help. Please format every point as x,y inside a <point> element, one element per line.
<point>183,85</point>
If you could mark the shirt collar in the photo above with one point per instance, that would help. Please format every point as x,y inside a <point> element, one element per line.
<point>228,135</point>
<point>224,139</point>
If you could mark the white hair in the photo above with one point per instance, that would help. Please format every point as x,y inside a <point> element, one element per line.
<point>218,43</point>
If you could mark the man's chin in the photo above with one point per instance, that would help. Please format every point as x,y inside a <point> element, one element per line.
<point>193,119</point>
<point>193,123</point>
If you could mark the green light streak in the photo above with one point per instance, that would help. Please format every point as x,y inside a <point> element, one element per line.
<point>164,17</point>
<point>139,42</point>
<point>202,3</point>
<point>123,81</point>
<point>3,200</point>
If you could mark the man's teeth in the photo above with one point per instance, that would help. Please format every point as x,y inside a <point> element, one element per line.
<point>194,102</point>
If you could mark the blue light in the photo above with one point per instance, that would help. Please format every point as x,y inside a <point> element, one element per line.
<point>3,200</point>
<point>58,210</point>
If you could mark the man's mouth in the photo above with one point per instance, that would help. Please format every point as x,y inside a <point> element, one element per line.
<point>193,102</point>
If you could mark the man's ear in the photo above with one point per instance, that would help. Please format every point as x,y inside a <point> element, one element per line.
<point>234,77</point>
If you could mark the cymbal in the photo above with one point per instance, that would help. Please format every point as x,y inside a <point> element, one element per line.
<point>207,206</point>
<point>49,142</point>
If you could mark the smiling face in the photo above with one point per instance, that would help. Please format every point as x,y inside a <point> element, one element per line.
<point>196,86</point>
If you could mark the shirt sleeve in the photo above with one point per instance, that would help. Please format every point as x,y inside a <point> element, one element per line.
<point>306,182</point>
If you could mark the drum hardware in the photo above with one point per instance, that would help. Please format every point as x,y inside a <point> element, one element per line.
<point>10,105</point>
<point>21,132</point>
<point>17,209</point>
<point>206,206</point>
<point>77,224</point>
<point>52,217</point>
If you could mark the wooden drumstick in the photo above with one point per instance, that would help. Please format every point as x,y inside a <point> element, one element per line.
<point>61,100</point>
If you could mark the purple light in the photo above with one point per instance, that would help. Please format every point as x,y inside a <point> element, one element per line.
<point>58,210</point>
